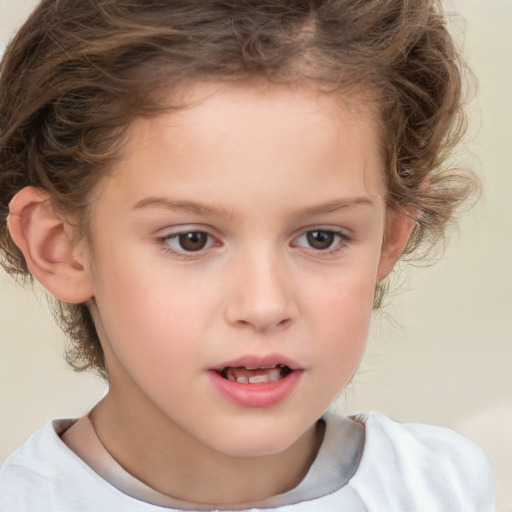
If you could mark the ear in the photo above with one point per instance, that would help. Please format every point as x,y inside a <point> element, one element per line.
<point>398,231</point>
<point>48,246</point>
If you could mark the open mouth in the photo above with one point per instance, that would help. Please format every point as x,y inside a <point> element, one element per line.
<point>248,375</point>
<point>257,380</point>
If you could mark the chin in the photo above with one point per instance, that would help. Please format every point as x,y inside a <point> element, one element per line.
<point>259,442</point>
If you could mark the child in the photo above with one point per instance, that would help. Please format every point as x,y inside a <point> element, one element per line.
<point>215,192</point>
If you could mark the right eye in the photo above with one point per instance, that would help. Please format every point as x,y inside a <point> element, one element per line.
<point>187,241</point>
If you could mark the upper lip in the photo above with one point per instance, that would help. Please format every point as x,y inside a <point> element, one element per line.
<point>254,361</point>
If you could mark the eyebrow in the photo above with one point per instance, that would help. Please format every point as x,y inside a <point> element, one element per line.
<point>202,209</point>
<point>337,204</point>
<point>189,206</point>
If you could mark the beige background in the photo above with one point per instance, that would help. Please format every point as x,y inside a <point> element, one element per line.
<point>440,353</point>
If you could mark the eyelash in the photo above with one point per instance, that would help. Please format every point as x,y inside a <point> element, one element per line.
<point>334,248</point>
<point>164,242</point>
<point>339,243</point>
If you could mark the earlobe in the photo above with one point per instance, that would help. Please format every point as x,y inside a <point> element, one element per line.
<point>399,228</point>
<point>47,244</point>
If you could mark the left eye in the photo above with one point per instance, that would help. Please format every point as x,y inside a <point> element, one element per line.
<point>320,239</point>
<point>190,241</point>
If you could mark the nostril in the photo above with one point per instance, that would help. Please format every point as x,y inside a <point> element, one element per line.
<point>282,323</point>
<point>260,311</point>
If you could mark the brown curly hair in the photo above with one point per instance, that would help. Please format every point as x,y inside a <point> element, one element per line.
<point>77,74</point>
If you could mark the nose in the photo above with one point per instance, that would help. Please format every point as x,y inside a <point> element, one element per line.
<point>262,296</point>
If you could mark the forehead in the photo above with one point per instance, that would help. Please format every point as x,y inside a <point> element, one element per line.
<point>260,104</point>
<point>254,134</point>
<point>250,103</point>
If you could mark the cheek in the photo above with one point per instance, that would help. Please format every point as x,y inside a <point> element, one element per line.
<point>346,295</point>
<point>153,343</point>
<point>342,319</point>
<point>149,316</point>
<point>343,314</point>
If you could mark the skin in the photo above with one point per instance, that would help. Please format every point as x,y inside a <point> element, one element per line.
<point>264,166</point>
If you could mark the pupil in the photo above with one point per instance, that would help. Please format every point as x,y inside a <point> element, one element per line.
<point>193,241</point>
<point>320,239</point>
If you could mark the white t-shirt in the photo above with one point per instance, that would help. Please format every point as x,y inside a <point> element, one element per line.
<point>403,467</point>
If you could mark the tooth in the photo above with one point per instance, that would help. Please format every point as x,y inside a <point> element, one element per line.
<point>258,378</point>
<point>242,379</point>
<point>230,377</point>
<point>275,376</point>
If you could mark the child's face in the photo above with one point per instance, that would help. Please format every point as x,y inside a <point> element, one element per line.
<point>244,231</point>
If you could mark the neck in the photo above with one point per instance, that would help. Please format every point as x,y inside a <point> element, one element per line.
<point>170,460</point>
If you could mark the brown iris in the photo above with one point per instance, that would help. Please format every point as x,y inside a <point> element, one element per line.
<point>320,239</point>
<point>193,241</point>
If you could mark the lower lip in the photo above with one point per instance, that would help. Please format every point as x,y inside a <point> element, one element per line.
<point>264,394</point>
